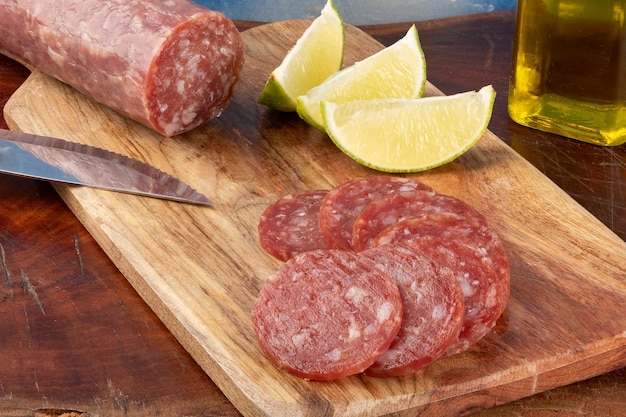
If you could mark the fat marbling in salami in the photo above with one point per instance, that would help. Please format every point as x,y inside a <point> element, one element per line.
<point>170,65</point>
<point>327,314</point>
<point>433,310</point>
<point>342,205</point>
<point>290,225</point>
<point>393,208</point>
<point>476,256</point>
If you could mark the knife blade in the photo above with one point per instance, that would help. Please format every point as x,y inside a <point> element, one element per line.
<point>60,161</point>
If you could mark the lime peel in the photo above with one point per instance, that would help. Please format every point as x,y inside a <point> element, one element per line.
<point>409,135</point>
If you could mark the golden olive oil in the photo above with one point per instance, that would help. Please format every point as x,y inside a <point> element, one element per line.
<point>569,69</point>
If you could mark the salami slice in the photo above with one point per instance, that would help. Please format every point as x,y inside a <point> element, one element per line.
<point>433,310</point>
<point>327,314</point>
<point>291,226</point>
<point>393,208</point>
<point>476,256</point>
<point>342,205</point>
<point>170,65</point>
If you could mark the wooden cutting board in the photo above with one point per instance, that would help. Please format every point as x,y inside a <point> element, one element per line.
<point>201,268</point>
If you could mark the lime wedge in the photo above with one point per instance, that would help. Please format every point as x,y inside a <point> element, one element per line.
<point>398,71</point>
<point>409,135</point>
<point>317,54</point>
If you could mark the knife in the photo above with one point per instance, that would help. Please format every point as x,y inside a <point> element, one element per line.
<point>60,161</point>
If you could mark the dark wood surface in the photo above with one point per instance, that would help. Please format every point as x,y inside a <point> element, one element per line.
<point>75,336</point>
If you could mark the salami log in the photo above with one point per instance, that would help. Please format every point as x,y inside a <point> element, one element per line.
<point>342,205</point>
<point>393,208</point>
<point>327,314</point>
<point>476,256</point>
<point>290,225</point>
<point>433,310</point>
<point>170,65</point>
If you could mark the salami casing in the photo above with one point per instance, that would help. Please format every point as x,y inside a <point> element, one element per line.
<point>344,203</point>
<point>327,314</point>
<point>290,225</point>
<point>170,65</point>
<point>476,256</point>
<point>433,310</point>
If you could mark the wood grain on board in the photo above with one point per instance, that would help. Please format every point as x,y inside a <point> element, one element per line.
<point>200,268</point>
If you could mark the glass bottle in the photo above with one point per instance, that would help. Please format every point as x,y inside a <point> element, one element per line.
<point>569,69</point>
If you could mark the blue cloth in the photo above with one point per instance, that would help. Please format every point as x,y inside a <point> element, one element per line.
<point>355,12</point>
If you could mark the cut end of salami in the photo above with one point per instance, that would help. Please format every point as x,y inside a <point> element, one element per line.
<point>192,79</point>
<point>327,314</point>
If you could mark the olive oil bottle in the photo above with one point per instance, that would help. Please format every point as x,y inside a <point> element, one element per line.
<point>569,69</point>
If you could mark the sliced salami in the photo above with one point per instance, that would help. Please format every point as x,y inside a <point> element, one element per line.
<point>291,225</point>
<point>476,256</point>
<point>433,310</point>
<point>170,65</point>
<point>342,205</point>
<point>393,208</point>
<point>327,314</point>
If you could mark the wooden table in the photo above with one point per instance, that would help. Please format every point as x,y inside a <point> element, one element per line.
<point>76,340</point>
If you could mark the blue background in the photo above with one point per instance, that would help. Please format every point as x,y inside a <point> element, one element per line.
<point>355,12</point>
